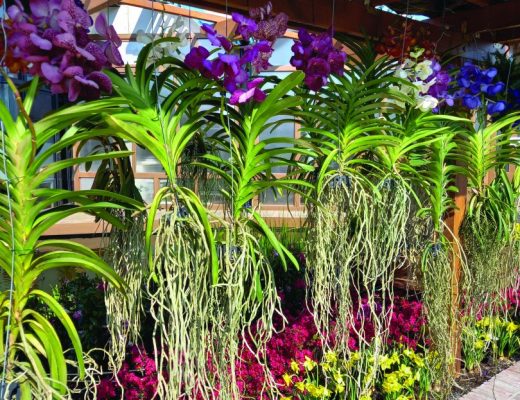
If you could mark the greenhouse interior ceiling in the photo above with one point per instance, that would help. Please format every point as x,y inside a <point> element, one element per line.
<point>270,200</point>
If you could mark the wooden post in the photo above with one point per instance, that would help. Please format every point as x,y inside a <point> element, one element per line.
<point>454,222</point>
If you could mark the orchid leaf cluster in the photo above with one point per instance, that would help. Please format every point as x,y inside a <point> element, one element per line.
<point>232,67</point>
<point>52,41</point>
<point>316,55</point>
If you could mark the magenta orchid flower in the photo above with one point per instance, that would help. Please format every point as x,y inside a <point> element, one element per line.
<point>232,68</point>
<point>113,41</point>
<point>253,92</point>
<point>316,55</point>
<point>52,41</point>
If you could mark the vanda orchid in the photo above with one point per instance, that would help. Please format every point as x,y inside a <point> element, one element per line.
<point>177,28</point>
<point>430,81</point>
<point>52,41</point>
<point>316,55</point>
<point>233,65</point>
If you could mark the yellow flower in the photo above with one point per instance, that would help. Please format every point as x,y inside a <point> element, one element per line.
<point>418,360</point>
<point>479,344</point>
<point>309,363</point>
<point>287,379</point>
<point>395,357</point>
<point>331,356</point>
<point>325,366</point>
<point>484,322</point>
<point>286,398</point>
<point>391,383</point>
<point>300,386</point>
<point>387,362</point>
<point>340,388</point>
<point>295,367</point>
<point>338,378</point>
<point>356,356</point>
<point>512,327</point>
<point>313,389</point>
<point>405,370</point>
<point>365,397</point>
<point>409,353</point>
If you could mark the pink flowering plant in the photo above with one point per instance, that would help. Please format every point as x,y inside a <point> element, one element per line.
<point>51,41</point>
<point>136,380</point>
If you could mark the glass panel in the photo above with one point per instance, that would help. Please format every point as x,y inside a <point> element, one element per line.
<point>284,130</point>
<point>282,52</point>
<point>85,183</point>
<point>89,148</point>
<point>270,197</point>
<point>145,187</point>
<point>209,191</point>
<point>48,183</point>
<point>163,183</point>
<point>146,162</point>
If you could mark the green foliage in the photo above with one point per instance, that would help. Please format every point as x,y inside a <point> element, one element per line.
<point>82,297</point>
<point>36,354</point>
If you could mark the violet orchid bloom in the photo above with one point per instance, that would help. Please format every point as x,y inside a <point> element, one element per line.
<point>317,57</point>
<point>246,26</point>
<point>46,12</point>
<point>471,102</point>
<point>493,90</point>
<point>253,92</point>
<point>258,55</point>
<point>67,41</point>
<point>272,28</point>
<point>89,87</point>
<point>216,39</point>
<point>476,83</point>
<point>336,61</point>
<point>194,59</point>
<point>315,82</point>
<point>113,41</point>
<point>72,17</point>
<point>53,43</point>
<point>496,108</point>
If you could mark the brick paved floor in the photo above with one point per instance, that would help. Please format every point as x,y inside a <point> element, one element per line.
<point>504,386</point>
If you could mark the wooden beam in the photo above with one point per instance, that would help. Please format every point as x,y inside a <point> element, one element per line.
<point>376,3</point>
<point>480,21</point>
<point>93,6</point>
<point>480,3</point>
<point>453,223</point>
<point>170,9</point>
<point>350,17</point>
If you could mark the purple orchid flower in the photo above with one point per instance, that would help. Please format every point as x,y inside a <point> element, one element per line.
<point>77,315</point>
<point>253,92</point>
<point>52,42</point>
<point>477,85</point>
<point>471,102</point>
<point>216,39</point>
<point>496,108</point>
<point>246,26</point>
<point>113,41</point>
<point>317,57</point>
<point>89,87</point>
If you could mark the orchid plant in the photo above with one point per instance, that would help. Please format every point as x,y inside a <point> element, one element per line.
<point>232,67</point>
<point>51,42</point>
<point>429,81</point>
